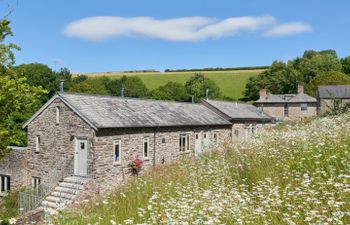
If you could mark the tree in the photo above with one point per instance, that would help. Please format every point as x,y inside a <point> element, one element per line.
<point>18,99</point>
<point>327,78</point>
<point>64,74</point>
<point>282,78</point>
<point>345,62</point>
<point>170,91</point>
<point>40,75</point>
<point>7,57</point>
<point>133,87</point>
<point>197,85</point>
<point>96,85</point>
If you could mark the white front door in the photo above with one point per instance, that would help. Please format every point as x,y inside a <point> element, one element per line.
<point>198,143</point>
<point>80,157</point>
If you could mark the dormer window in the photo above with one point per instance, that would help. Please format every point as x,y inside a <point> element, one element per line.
<point>57,115</point>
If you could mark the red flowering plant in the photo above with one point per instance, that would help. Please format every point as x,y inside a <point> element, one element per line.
<point>135,166</point>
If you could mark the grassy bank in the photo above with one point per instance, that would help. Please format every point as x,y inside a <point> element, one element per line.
<point>296,174</point>
<point>231,83</point>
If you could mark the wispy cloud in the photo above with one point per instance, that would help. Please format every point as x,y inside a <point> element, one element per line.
<point>178,29</point>
<point>288,29</point>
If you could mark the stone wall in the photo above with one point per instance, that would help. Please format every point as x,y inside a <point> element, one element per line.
<point>57,140</point>
<point>15,165</point>
<point>294,111</point>
<point>165,142</point>
<point>247,129</point>
<point>328,104</point>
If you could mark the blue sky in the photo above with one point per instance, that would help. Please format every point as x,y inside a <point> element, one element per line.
<point>113,35</point>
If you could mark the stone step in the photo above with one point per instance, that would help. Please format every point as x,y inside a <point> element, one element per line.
<point>67,190</point>
<point>63,195</point>
<point>75,180</point>
<point>71,185</point>
<point>57,199</point>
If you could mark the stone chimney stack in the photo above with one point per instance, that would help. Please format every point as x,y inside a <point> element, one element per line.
<point>263,93</point>
<point>300,89</point>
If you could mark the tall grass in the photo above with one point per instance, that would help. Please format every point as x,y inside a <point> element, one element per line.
<point>298,174</point>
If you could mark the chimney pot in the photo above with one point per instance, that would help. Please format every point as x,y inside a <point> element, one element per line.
<point>62,86</point>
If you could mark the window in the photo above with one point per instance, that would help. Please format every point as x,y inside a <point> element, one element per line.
<point>117,152</point>
<point>216,138</point>
<point>37,143</point>
<point>184,142</point>
<point>145,147</point>
<point>57,115</point>
<point>36,182</point>
<point>286,110</point>
<point>236,132</point>
<point>5,183</point>
<point>303,106</point>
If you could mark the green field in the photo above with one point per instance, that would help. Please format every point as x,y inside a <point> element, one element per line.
<point>231,83</point>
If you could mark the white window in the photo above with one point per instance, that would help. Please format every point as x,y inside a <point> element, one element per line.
<point>184,142</point>
<point>57,115</point>
<point>145,148</point>
<point>117,151</point>
<point>36,182</point>
<point>37,143</point>
<point>236,132</point>
<point>5,183</point>
<point>216,139</point>
<point>303,107</point>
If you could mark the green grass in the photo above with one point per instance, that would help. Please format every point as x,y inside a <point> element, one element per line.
<point>231,83</point>
<point>296,174</point>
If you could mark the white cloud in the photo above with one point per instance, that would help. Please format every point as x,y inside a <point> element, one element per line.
<point>178,29</point>
<point>289,29</point>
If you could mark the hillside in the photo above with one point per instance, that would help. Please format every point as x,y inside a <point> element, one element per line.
<point>231,83</point>
<point>293,174</point>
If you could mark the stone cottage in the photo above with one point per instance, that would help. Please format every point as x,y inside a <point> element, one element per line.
<point>333,96</point>
<point>287,106</point>
<point>246,119</point>
<point>77,141</point>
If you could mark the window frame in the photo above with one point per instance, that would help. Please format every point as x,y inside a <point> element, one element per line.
<point>184,142</point>
<point>216,138</point>
<point>145,141</point>
<point>236,132</point>
<point>57,115</point>
<point>5,183</point>
<point>286,110</point>
<point>303,107</point>
<point>119,144</point>
<point>37,143</point>
<point>36,181</point>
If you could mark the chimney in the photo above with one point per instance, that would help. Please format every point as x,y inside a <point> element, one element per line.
<point>122,92</point>
<point>62,86</point>
<point>300,89</point>
<point>263,93</point>
<point>207,94</point>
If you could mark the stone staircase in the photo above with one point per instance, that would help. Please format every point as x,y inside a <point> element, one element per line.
<point>64,194</point>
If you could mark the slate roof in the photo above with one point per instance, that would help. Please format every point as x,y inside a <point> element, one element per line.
<point>117,112</point>
<point>287,98</point>
<point>238,111</point>
<point>336,91</point>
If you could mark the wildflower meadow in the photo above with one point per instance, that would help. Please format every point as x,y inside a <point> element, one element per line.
<point>294,174</point>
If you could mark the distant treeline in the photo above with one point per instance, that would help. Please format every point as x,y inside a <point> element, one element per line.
<point>220,69</point>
